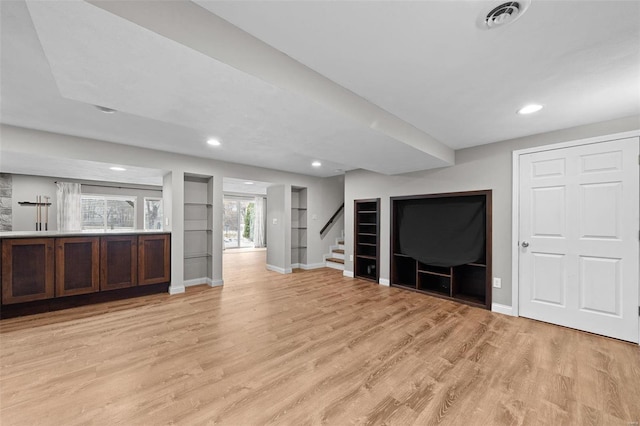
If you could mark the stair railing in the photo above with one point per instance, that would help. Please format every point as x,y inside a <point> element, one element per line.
<point>333,218</point>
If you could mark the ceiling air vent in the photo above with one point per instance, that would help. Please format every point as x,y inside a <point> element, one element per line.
<point>503,14</point>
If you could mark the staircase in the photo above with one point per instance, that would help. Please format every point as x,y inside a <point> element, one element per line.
<point>335,260</point>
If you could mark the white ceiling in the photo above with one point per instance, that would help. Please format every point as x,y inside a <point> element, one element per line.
<point>429,64</point>
<point>386,86</point>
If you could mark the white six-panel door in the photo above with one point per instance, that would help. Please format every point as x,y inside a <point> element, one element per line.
<point>578,236</point>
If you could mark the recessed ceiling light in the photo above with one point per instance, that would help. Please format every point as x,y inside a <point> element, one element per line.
<point>316,164</point>
<point>248,183</point>
<point>118,169</point>
<point>105,109</point>
<point>214,142</point>
<point>529,109</point>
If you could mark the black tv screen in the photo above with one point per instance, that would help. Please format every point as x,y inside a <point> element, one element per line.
<point>442,231</point>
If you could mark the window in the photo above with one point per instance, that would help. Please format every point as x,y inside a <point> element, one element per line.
<point>152,213</point>
<point>108,212</point>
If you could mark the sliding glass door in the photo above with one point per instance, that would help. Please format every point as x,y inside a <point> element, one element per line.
<point>239,214</point>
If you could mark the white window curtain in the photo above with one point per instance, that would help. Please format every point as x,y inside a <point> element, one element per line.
<point>69,206</point>
<point>258,223</point>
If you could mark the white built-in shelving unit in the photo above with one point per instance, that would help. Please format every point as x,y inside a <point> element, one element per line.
<point>298,227</point>
<point>198,228</point>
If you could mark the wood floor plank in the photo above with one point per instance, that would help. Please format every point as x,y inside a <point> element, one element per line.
<point>308,348</point>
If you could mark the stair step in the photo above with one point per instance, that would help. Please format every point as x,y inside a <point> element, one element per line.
<point>339,251</point>
<point>335,260</point>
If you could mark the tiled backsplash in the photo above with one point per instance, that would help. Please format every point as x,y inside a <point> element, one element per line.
<point>5,202</point>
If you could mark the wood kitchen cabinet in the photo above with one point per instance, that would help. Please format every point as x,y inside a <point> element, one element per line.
<point>118,262</point>
<point>154,259</point>
<point>27,270</point>
<point>77,265</point>
<point>63,270</point>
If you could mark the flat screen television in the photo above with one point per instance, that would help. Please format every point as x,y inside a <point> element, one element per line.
<point>442,231</point>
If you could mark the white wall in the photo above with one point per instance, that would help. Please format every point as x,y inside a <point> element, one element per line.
<point>482,167</point>
<point>278,227</point>
<point>323,199</point>
<point>328,195</point>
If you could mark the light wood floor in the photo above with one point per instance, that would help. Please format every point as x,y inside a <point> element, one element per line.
<point>307,348</point>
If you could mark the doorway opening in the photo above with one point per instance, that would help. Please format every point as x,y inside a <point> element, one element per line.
<point>244,214</point>
<point>243,225</point>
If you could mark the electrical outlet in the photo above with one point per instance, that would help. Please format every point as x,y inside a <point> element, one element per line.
<point>166,221</point>
<point>497,283</point>
<point>274,221</point>
<point>350,258</point>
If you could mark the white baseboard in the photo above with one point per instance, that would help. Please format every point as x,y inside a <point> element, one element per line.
<point>176,289</point>
<point>196,281</point>
<point>204,280</point>
<point>278,269</point>
<point>384,281</point>
<point>348,274</point>
<point>502,309</point>
<point>215,283</point>
<point>308,266</point>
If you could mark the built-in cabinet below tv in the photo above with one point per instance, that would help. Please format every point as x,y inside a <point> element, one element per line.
<point>469,282</point>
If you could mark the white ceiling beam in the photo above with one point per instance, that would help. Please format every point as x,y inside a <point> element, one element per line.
<point>193,26</point>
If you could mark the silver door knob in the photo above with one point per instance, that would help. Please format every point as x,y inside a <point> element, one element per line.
<point>525,244</point>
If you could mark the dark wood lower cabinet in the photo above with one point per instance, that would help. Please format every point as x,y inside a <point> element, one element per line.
<point>77,265</point>
<point>27,270</point>
<point>154,259</point>
<point>118,262</point>
<point>50,273</point>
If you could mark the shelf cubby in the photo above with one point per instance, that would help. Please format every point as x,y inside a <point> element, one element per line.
<point>438,283</point>
<point>405,273</point>
<point>367,239</point>
<point>198,228</point>
<point>298,227</point>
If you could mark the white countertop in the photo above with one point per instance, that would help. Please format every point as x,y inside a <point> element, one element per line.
<point>87,233</point>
